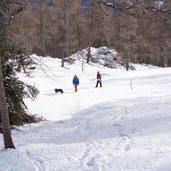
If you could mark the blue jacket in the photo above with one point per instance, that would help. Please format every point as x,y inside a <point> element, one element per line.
<point>75,80</point>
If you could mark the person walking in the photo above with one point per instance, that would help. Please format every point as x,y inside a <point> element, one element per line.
<point>75,82</point>
<point>99,79</point>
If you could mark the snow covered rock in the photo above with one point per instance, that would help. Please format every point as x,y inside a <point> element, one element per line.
<point>104,56</point>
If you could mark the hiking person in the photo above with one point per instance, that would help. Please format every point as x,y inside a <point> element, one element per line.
<point>99,79</point>
<point>75,81</point>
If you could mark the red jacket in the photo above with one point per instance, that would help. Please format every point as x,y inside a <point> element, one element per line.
<point>99,76</point>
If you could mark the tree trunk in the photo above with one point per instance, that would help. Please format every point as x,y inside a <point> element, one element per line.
<point>91,30</point>
<point>89,54</point>
<point>42,29</point>
<point>3,105</point>
<point>65,33</point>
<point>4,115</point>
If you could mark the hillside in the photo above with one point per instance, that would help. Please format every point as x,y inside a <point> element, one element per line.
<point>123,126</point>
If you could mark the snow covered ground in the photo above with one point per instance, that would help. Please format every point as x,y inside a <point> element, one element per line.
<point>123,126</point>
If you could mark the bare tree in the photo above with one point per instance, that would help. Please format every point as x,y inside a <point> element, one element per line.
<point>41,29</point>
<point>65,32</point>
<point>8,9</point>
<point>91,28</point>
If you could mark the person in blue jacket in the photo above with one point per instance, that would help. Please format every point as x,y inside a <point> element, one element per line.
<point>75,81</point>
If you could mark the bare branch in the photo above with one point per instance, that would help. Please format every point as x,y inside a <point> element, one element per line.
<point>128,8</point>
<point>19,10</point>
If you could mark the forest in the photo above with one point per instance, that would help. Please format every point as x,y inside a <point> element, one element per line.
<point>139,31</point>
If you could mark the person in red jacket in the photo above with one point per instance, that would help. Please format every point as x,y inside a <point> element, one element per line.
<point>99,79</point>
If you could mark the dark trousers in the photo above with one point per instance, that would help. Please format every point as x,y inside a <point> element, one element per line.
<point>98,82</point>
<point>75,88</point>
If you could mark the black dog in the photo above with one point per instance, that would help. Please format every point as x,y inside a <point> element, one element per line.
<point>32,68</point>
<point>59,90</point>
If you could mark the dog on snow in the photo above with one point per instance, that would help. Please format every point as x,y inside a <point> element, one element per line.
<point>59,90</point>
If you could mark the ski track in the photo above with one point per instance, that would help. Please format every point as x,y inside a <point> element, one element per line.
<point>81,129</point>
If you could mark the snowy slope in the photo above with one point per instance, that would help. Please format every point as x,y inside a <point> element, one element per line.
<point>123,126</point>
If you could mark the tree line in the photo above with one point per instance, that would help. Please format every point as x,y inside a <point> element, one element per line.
<point>138,30</point>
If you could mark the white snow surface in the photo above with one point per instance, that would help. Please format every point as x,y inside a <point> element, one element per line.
<point>123,126</point>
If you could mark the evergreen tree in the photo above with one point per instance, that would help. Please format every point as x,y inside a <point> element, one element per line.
<point>15,89</point>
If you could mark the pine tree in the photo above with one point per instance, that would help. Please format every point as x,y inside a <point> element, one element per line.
<point>15,61</point>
